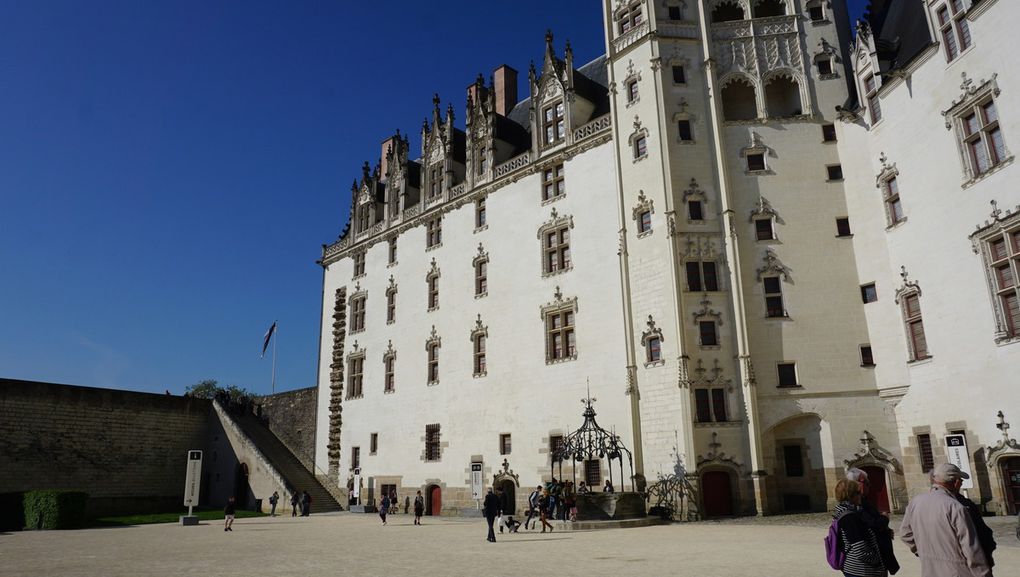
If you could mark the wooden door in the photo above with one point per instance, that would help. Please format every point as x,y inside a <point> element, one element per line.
<point>509,498</point>
<point>435,500</point>
<point>717,494</point>
<point>878,493</point>
<point>1011,475</point>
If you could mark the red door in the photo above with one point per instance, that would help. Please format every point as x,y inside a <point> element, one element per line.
<point>878,494</point>
<point>435,500</point>
<point>1011,473</point>
<point>716,493</point>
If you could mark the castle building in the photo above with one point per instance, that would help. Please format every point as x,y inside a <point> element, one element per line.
<point>771,250</point>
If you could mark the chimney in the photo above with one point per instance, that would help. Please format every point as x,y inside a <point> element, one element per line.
<point>388,145</point>
<point>505,85</point>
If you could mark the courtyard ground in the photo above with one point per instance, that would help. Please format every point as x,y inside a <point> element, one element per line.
<point>357,545</point>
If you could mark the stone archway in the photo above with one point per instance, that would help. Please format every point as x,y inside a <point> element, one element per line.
<point>871,458</point>
<point>507,482</point>
<point>1004,470</point>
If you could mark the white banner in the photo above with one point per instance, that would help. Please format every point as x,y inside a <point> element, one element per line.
<point>477,484</point>
<point>193,480</point>
<point>956,451</point>
<point>357,483</point>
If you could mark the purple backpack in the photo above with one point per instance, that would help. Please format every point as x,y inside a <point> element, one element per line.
<point>834,552</point>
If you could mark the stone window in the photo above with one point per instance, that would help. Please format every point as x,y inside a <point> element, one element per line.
<point>684,130</point>
<point>391,305</point>
<point>359,264</point>
<point>728,11</point>
<point>640,147</point>
<point>389,371</point>
<point>887,183</point>
<point>710,405</point>
<point>756,162</point>
<point>782,97</point>
<point>554,124</point>
<point>925,453</point>
<point>481,277</point>
<point>679,75</point>
<point>392,250</point>
<point>828,133</point>
<point>773,290</point>
<point>824,66</point>
<point>355,457</point>
<point>834,172</point>
<point>433,301</point>
<point>676,11</point>
<point>868,293</point>
<point>555,444</point>
<point>642,214</point>
<point>867,358</point>
<point>373,443</point>
<point>479,336</point>
<point>632,91</point>
<point>702,276</point>
<point>556,249</point>
<point>482,160</point>
<point>871,95</point>
<point>357,313</point>
<point>651,339</point>
<point>981,137</point>
<point>629,17</point>
<point>763,229</point>
<point>787,373</point>
<point>434,233</point>
<point>998,241</point>
<point>843,227</point>
<point>560,335</point>
<point>911,304</point>
<point>695,210</point>
<point>644,222</point>
<point>593,473</point>
<point>793,460</point>
<point>769,8</point>
<point>480,216</point>
<point>953,28</point>
<point>435,182</point>
<point>739,99</point>
<point>433,449</point>
<point>432,349</point>
<point>815,10</point>
<point>708,334</point>
<point>552,182</point>
<point>504,444</point>
<point>355,376</point>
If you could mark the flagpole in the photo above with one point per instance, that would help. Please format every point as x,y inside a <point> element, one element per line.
<point>277,337</point>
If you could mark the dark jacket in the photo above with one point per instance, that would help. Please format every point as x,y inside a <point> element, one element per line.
<point>491,505</point>
<point>879,525</point>
<point>985,535</point>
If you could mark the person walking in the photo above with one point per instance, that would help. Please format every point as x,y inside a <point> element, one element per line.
<point>532,514</point>
<point>419,508</point>
<point>608,488</point>
<point>490,507</point>
<point>543,510</point>
<point>877,521</point>
<point>384,507</point>
<point>939,530</point>
<point>295,499</point>
<point>863,557</point>
<point>273,500</point>
<point>394,504</point>
<point>306,504</point>
<point>228,515</point>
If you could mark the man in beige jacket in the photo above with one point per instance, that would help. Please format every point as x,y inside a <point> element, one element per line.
<point>938,529</point>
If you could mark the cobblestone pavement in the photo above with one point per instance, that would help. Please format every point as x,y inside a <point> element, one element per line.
<point>357,545</point>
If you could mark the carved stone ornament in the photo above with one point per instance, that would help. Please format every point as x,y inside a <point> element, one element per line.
<point>716,456</point>
<point>694,192</point>
<point>506,474</point>
<point>389,353</point>
<point>774,267</point>
<point>392,288</point>
<point>1001,223</point>
<point>558,303</point>
<point>700,247</point>
<point>749,377</point>
<point>1005,446</point>
<point>434,339</point>
<point>651,331</point>
<point>889,171</point>
<point>556,220</point>
<point>712,377</point>
<point>757,146</point>
<point>644,204</point>
<point>707,312</point>
<point>479,329</point>
<point>481,256</point>
<point>433,270</point>
<point>908,287</point>
<point>869,453</point>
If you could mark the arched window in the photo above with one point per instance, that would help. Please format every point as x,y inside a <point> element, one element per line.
<point>767,8</point>
<point>782,97</point>
<point>739,99</point>
<point>728,11</point>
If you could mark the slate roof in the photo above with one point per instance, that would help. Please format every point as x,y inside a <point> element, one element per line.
<point>592,83</point>
<point>900,30</point>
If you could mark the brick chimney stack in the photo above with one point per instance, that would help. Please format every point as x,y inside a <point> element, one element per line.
<point>505,85</point>
<point>387,145</point>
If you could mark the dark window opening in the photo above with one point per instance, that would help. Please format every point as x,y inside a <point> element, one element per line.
<point>788,375</point>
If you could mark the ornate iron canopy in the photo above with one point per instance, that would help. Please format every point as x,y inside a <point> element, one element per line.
<point>591,442</point>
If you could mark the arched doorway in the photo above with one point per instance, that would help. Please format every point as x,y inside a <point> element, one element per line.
<point>878,493</point>
<point>433,500</point>
<point>241,487</point>
<point>509,496</point>
<point>1011,477</point>
<point>717,494</point>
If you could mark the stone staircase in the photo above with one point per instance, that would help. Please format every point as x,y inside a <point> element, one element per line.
<point>286,464</point>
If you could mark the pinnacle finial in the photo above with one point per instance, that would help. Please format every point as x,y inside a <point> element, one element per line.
<point>548,36</point>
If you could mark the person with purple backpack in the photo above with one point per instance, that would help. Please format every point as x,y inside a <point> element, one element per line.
<point>852,546</point>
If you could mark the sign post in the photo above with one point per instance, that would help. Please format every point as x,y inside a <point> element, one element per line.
<point>956,451</point>
<point>357,486</point>
<point>476,482</point>
<point>192,486</point>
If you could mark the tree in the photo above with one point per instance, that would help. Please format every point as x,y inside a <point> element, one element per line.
<point>209,389</point>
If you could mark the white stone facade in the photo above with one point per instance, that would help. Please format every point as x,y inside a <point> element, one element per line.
<point>723,219</point>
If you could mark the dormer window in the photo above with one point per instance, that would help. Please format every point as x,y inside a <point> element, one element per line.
<point>435,182</point>
<point>482,161</point>
<point>953,28</point>
<point>871,94</point>
<point>554,125</point>
<point>630,17</point>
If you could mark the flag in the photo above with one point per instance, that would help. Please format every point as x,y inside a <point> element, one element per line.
<point>265,341</point>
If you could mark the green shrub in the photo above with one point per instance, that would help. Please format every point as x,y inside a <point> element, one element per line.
<point>55,509</point>
<point>12,511</point>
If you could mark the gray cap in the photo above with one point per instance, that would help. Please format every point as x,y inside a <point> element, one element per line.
<point>947,472</point>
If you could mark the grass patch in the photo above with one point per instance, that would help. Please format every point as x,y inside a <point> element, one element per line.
<point>204,515</point>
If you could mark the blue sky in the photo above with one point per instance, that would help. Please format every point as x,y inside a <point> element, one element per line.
<point>170,170</point>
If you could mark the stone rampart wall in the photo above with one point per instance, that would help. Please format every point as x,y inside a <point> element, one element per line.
<point>291,417</point>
